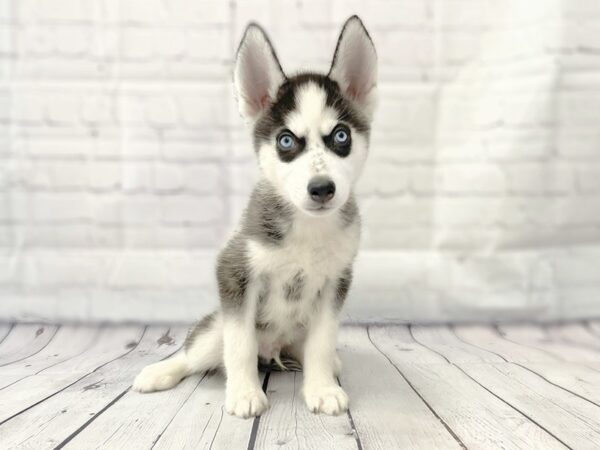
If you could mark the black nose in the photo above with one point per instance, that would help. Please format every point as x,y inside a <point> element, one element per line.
<point>321,189</point>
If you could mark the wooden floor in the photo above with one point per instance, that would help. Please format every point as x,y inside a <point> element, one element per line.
<point>410,387</point>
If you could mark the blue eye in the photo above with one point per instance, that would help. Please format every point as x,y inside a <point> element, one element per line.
<point>286,141</point>
<point>341,136</point>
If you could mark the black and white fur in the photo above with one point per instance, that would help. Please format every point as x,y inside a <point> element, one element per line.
<point>285,273</point>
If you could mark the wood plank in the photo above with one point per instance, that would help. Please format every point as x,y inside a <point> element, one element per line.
<point>190,416</point>
<point>137,420</point>
<point>534,344</point>
<point>114,342</point>
<point>477,417</point>
<point>471,395</point>
<point>448,344</point>
<point>489,339</point>
<point>70,341</point>
<point>55,420</point>
<point>575,334</point>
<point>572,420</point>
<point>289,424</point>
<point>24,341</point>
<point>202,422</point>
<point>575,377</point>
<point>386,411</point>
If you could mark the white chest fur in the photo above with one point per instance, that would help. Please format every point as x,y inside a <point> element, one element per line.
<point>313,255</point>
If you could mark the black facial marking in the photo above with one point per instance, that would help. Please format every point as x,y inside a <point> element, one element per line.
<point>346,111</point>
<point>288,155</point>
<point>273,120</point>
<point>268,216</point>
<point>200,328</point>
<point>340,149</point>
<point>233,274</point>
<point>343,286</point>
<point>292,290</point>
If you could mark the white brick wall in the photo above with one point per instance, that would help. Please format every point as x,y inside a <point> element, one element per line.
<point>124,163</point>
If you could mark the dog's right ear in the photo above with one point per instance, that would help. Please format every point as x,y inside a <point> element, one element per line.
<point>257,74</point>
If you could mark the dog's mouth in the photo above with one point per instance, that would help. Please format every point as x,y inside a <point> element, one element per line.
<point>319,210</point>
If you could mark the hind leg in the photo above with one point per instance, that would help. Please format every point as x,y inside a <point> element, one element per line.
<point>203,351</point>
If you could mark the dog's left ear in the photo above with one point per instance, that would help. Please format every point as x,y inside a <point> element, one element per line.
<point>257,74</point>
<point>354,65</point>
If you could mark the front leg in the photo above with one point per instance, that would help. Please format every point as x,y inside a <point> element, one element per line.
<point>244,396</point>
<point>321,392</point>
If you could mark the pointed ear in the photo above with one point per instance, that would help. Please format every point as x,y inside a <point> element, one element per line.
<point>354,65</point>
<point>257,74</point>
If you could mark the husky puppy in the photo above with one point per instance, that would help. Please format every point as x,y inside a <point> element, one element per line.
<point>285,273</point>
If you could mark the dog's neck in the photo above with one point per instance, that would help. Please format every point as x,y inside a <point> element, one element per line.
<point>271,218</point>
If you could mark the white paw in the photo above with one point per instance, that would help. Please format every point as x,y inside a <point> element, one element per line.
<point>329,399</point>
<point>155,378</point>
<point>250,403</point>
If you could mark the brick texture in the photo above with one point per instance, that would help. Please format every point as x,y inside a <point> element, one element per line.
<point>124,163</point>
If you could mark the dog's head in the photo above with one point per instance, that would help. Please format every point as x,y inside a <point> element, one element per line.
<point>310,131</point>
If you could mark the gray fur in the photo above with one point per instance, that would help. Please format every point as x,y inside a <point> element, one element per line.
<point>293,289</point>
<point>349,212</point>
<point>200,328</point>
<point>343,286</point>
<point>268,217</point>
<point>261,325</point>
<point>265,289</point>
<point>233,274</point>
<point>263,296</point>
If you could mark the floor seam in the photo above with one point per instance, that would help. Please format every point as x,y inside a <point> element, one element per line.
<point>92,343</point>
<point>352,424</point>
<point>254,432</point>
<point>489,390</point>
<point>34,353</point>
<point>74,382</point>
<point>106,407</point>
<point>442,421</point>
<point>12,325</point>
<point>178,410</point>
